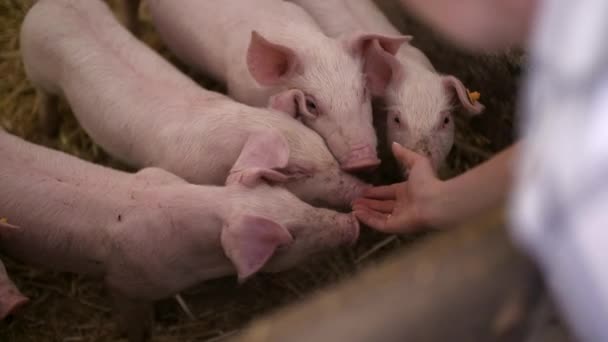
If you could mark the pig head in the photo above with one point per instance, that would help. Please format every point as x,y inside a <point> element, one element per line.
<point>299,161</point>
<point>328,88</point>
<point>419,104</point>
<point>10,297</point>
<point>281,233</point>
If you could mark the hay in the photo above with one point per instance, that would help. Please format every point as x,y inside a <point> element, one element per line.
<point>68,307</point>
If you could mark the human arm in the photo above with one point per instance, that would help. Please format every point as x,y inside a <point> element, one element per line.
<point>425,201</point>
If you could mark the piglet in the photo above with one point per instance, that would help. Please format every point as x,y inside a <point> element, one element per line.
<point>10,297</point>
<point>272,52</point>
<point>150,235</point>
<point>143,111</point>
<point>418,98</point>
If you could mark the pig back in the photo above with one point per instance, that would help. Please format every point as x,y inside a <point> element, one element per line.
<point>335,17</point>
<point>61,204</point>
<point>198,32</point>
<point>213,36</point>
<point>53,49</point>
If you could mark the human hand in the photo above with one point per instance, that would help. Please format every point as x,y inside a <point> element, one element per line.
<point>402,207</point>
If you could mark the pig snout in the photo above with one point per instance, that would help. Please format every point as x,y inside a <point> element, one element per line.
<point>425,149</point>
<point>349,189</point>
<point>436,161</point>
<point>349,228</point>
<point>338,228</point>
<point>353,154</point>
<point>329,187</point>
<point>360,158</point>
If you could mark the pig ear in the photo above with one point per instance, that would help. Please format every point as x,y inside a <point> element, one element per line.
<point>287,102</point>
<point>380,68</point>
<point>453,84</point>
<point>250,242</point>
<point>263,157</point>
<point>270,63</point>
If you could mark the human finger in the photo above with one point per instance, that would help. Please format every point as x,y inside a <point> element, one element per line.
<point>383,206</point>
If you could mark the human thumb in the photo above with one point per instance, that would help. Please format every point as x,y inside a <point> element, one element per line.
<point>405,156</point>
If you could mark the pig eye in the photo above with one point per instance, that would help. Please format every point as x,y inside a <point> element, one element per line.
<point>446,119</point>
<point>311,106</point>
<point>397,120</point>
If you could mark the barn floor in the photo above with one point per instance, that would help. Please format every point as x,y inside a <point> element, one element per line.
<point>71,308</point>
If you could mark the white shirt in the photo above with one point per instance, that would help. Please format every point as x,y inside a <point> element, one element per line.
<point>560,205</point>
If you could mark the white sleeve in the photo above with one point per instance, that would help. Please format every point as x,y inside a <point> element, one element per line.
<point>559,210</point>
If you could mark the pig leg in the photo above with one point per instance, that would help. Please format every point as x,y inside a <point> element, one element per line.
<point>47,112</point>
<point>10,297</point>
<point>134,317</point>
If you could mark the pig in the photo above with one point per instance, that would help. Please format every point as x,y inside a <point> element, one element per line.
<point>149,235</point>
<point>418,99</point>
<point>269,52</point>
<point>11,299</point>
<point>143,111</point>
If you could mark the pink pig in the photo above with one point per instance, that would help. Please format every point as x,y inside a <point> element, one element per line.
<point>418,99</point>
<point>272,52</point>
<point>142,110</point>
<point>150,235</point>
<point>10,297</point>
